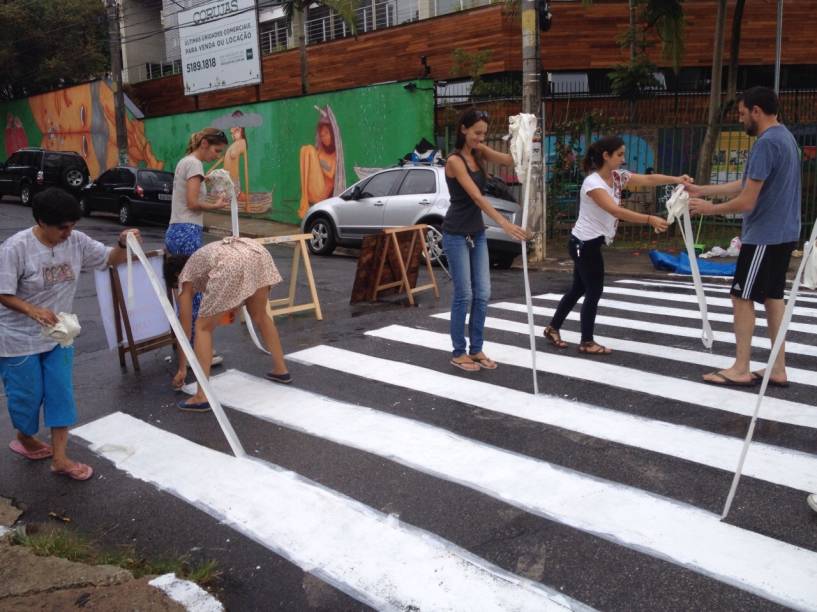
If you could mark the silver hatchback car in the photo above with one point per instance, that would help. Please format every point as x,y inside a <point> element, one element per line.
<point>395,197</point>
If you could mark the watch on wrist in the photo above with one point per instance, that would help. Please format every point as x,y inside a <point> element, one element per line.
<point>122,245</point>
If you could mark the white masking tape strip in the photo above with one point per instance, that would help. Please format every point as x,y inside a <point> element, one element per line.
<point>184,343</point>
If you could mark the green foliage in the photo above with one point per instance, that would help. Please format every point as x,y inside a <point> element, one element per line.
<point>68,544</point>
<point>471,63</point>
<point>46,44</point>
<point>630,81</point>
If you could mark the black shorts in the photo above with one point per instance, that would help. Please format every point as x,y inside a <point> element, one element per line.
<point>761,271</point>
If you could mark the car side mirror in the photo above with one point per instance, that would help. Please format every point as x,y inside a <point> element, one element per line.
<point>355,194</point>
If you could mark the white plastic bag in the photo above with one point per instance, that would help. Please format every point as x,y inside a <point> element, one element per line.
<point>65,330</point>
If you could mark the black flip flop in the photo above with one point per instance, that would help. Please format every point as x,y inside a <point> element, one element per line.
<point>758,376</point>
<point>284,379</point>
<point>196,407</point>
<point>729,382</point>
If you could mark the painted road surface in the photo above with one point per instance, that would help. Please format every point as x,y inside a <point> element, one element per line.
<point>614,474</point>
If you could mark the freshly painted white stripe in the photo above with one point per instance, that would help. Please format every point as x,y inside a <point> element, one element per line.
<point>690,299</point>
<point>707,286</point>
<point>374,557</point>
<point>771,463</point>
<point>661,328</point>
<point>658,526</point>
<point>681,313</point>
<point>631,379</point>
<point>661,351</point>
<point>187,594</point>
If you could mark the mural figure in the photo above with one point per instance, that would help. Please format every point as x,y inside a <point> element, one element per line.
<point>16,137</point>
<point>236,123</point>
<point>82,119</point>
<point>323,172</point>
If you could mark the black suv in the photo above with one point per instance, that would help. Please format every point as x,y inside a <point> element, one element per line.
<point>30,170</point>
<point>131,193</point>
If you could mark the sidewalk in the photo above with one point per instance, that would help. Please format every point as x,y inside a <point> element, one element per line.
<point>622,262</point>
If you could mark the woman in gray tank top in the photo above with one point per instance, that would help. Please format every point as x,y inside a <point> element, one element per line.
<point>464,237</point>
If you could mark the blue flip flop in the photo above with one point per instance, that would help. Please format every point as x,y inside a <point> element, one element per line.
<point>197,407</point>
<point>284,379</point>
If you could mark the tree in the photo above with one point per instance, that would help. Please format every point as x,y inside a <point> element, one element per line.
<point>719,105</point>
<point>295,12</point>
<point>46,44</point>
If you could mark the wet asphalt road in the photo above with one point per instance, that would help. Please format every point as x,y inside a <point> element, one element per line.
<point>118,510</point>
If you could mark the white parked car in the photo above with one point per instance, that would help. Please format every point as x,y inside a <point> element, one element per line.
<point>404,195</point>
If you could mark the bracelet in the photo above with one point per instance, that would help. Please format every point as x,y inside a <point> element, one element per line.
<point>648,219</point>
<point>122,246</point>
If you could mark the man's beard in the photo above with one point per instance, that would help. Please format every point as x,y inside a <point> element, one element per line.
<point>751,129</point>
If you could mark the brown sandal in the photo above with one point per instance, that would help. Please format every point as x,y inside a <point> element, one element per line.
<point>594,348</point>
<point>552,336</point>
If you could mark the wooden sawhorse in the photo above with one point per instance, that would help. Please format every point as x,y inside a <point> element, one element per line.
<point>392,243</point>
<point>287,305</point>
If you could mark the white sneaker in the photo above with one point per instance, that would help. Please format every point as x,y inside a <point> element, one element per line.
<point>811,500</point>
<point>217,360</point>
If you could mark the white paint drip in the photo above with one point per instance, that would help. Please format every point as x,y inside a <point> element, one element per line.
<point>659,385</point>
<point>186,593</point>
<point>681,313</point>
<point>375,558</point>
<point>690,299</point>
<point>711,287</point>
<point>670,530</point>
<point>783,466</point>
<point>796,348</point>
<point>660,351</point>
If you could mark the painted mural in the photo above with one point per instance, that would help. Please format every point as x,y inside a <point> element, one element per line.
<point>285,155</point>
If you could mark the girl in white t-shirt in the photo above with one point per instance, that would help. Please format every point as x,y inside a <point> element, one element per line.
<point>599,213</point>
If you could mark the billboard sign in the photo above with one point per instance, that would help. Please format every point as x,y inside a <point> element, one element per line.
<point>219,44</point>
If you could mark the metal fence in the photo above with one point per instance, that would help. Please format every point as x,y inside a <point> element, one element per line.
<point>668,145</point>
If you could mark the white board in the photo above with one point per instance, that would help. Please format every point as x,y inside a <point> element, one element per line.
<point>147,319</point>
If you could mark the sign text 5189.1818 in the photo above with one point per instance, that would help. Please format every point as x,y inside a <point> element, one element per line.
<point>209,62</point>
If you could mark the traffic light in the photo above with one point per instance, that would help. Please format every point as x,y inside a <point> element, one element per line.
<point>545,16</point>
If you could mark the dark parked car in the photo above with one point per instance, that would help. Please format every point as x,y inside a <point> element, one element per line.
<point>131,193</point>
<point>30,170</point>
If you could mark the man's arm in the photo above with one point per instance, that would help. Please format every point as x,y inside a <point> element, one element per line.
<point>744,202</point>
<point>730,189</point>
<point>43,316</point>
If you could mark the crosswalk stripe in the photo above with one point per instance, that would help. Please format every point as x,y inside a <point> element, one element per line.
<point>681,313</point>
<point>803,296</point>
<point>659,385</point>
<point>782,466</point>
<point>665,528</point>
<point>661,328</point>
<point>690,299</point>
<point>661,351</point>
<point>373,557</point>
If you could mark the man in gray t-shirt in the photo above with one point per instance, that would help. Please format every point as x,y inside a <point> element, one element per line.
<point>39,271</point>
<point>768,195</point>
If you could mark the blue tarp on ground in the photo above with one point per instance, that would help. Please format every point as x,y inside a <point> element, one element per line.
<point>680,264</point>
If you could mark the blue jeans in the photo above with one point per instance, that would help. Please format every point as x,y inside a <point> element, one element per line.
<point>471,274</point>
<point>39,381</point>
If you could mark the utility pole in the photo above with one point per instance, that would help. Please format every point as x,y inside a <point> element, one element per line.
<point>778,46</point>
<point>532,103</point>
<point>116,78</point>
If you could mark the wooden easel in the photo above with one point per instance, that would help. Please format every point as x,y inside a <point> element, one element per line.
<point>393,244</point>
<point>122,320</point>
<point>287,305</point>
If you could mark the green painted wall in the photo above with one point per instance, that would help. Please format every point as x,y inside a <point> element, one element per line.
<point>378,125</point>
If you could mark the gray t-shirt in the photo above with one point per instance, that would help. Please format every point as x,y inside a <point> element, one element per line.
<point>775,160</point>
<point>187,168</point>
<point>45,277</point>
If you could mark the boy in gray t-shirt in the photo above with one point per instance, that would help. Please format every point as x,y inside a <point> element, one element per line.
<point>39,271</point>
<point>769,198</point>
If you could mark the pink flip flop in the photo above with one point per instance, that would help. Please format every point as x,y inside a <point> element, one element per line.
<point>43,453</point>
<point>80,471</point>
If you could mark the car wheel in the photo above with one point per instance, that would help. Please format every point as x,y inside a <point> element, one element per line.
<point>74,178</point>
<point>503,261</point>
<point>126,216</point>
<point>25,194</point>
<point>323,236</point>
<point>434,243</point>
<point>84,207</point>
